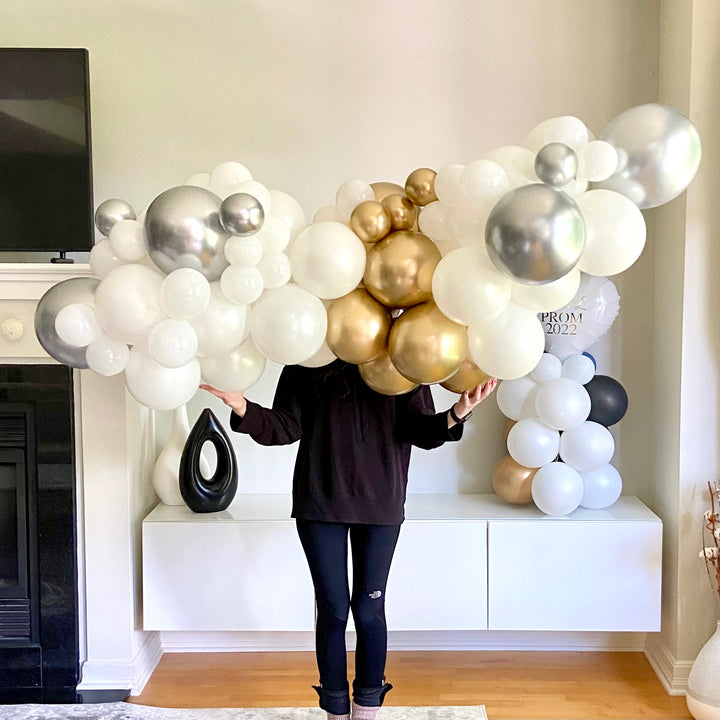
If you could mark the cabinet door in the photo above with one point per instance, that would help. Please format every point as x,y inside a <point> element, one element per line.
<point>438,579</point>
<point>570,575</point>
<point>225,576</point>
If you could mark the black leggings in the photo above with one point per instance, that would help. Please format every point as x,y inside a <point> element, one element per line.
<point>325,545</point>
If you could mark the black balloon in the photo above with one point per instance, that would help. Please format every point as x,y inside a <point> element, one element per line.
<point>608,400</point>
<point>203,495</point>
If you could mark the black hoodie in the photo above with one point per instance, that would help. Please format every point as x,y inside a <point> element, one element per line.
<point>352,462</point>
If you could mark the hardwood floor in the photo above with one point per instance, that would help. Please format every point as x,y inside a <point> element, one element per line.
<point>562,685</point>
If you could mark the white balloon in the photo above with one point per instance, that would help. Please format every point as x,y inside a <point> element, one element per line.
<point>76,324</point>
<point>532,443</point>
<point>159,387</point>
<point>288,324</point>
<point>222,326</point>
<point>288,209</point>
<point>226,177</point>
<point>328,259</point>
<point>127,302</point>
<point>328,213</point>
<point>324,356</point>
<point>517,161</point>
<point>201,179</point>
<point>448,187</point>
<point>566,129</point>
<point>597,161</point>
<point>587,447</point>
<point>102,259</point>
<point>468,289</point>
<point>483,179</point>
<point>614,232</point>
<point>258,191</point>
<point>237,370</point>
<point>127,240</point>
<point>107,356</point>
<point>434,221</point>
<point>601,487</point>
<point>274,235</point>
<point>562,403</point>
<point>245,251</point>
<point>578,367</point>
<point>184,293</point>
<point>557,489</point>
<point>467,224</point>
<point>350,194</point>
<point>172,343</point>
<point>548,368</point>
<point>509,346</point>
<point>242,285</point>
<point>516,398</point>
<point>549,296</point>
<point>275,270</point>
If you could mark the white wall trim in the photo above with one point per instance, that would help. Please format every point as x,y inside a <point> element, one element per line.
<point>673,673</point>
<point>177,641</point>
<point>146,661</point>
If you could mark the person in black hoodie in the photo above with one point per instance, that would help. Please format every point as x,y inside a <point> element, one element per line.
<point>350,480</point>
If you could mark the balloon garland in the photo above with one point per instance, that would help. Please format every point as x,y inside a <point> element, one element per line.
<point>495,268</point>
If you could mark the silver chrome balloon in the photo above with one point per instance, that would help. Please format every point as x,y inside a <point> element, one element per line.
<point>183,229</point>
<point>110,212</point>
<point>659,153</point>
<point>74,290</point>
<point>556,164</point>
<point>241,214</point>
<point>535,234</point>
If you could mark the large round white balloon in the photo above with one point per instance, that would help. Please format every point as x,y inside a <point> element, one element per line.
<point>107,356</point>
<point>127,240</point>
<point>159,387</point>
<point>578,367</point>
<point>102,258</point>
<point>601,487</point>
<point>598,160</point>
<point>222,326</point>
<point>516,398</point>
<point>76,324</point>
<point>532,443</point>
<point>557,489</point>
<point>275,270</point>
<point>549,368</point>
<point>184,293</point>
<point>566,129</point>
<point>587,447</point>
<point>614,232</point>
<point>242,284</point>
<point>226,176</point>
<point>288,324</point>
<point>127,302</point>
<point>288,209</point>
<point>468,289</point>
<point>172,343</point>
<point>509,346</point>
<point>328,259</point>
<point>237,370</point>
<point>562,403</point>
<point>550,296</point>
<point>483,179</point>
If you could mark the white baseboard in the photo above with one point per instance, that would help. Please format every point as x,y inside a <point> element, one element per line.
<point>146,661</point>
<point>407,640</point>
<point>673,673</point>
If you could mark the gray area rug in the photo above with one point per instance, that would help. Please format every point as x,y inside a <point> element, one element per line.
<point>127,711</point>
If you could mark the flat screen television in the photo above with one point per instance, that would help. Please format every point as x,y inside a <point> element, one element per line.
<point>46,202</point>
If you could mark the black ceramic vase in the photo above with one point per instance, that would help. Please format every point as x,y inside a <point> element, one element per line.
<point>204,495</point>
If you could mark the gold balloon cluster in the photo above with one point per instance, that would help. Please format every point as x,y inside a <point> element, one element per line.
<point>389,326</point>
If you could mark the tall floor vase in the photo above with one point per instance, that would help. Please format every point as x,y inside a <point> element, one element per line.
<point>703,691</point>
<point>165,477</point>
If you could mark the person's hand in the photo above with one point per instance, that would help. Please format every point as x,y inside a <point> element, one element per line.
<point>471,398</point>
<point>235,400</point>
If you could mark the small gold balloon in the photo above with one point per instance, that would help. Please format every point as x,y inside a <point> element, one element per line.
<point>420,186</point>
<point>402,211</point>
<point>358,327</point>
<point>383,189</point>
<point>467,377</point>
<point>370,221</point>
<point>382,376</point>
<point>400,267</point>
<point>512,481</point>
<point>425,346</point>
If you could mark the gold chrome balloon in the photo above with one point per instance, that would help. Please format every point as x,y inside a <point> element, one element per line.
<point>402,211</point>
<point>512,481</point>
<point>467,377</point>
<point>383,377</point>
<point>400,267</point>
<point>425,346</point>
<point>358,327</point>
<point>508,427</point>
<point>370,221</point>
<point>420,186</point>
<point>383,189</point>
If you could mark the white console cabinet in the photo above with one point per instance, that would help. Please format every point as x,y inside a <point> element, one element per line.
<point>463,562</point>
